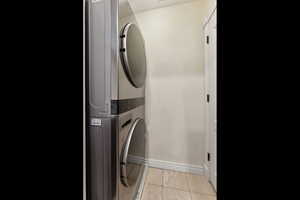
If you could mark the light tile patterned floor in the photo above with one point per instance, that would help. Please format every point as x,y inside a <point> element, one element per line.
<point>171,185</point>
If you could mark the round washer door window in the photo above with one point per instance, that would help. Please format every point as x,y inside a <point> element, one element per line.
<point>132,54</point>
<point>133,154</point>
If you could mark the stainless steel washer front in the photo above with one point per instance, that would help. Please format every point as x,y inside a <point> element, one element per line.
<point>132,152</point>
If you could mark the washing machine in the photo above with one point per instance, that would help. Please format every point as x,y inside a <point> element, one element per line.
<point>116,58</point>
<point>116,157</point>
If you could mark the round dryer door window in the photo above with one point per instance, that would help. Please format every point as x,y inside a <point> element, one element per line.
<point>132,54</point>
<point>133,154</point>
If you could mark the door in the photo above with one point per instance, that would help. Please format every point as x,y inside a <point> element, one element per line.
<point>133,154</point>
<point>211,91</point>
<point>132,54</point>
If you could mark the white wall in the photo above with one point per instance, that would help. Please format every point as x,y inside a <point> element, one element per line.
<point>209,5</point>
<point>175,84</point>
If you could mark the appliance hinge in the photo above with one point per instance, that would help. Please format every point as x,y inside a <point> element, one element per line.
<point>207,98</point>
<point>207,39</point>
<point>208,156</point>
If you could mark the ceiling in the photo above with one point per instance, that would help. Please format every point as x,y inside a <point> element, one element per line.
<point>143,5</point>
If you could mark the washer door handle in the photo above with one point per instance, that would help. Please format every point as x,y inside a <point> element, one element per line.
<point>124,177</point>
<point>126,123</point>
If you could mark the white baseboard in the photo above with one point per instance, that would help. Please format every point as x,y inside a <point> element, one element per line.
<point>161,164</point>
<point>181,167</point>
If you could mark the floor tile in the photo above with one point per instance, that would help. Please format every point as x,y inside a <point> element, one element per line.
<point>177,180</point>
<point>126,193</point>
<point>133,173</point>
<point>155,176</point>
<point>196,196</point>
<point>152,192</point>
<point>173,194</point>
<point>199,184</point>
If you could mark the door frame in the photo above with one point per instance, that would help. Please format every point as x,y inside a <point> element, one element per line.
<point>210,167</point>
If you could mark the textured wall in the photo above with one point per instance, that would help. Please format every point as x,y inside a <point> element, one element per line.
<point>175,86</point>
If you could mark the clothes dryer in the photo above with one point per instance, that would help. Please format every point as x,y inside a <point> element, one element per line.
<point>116,59</point>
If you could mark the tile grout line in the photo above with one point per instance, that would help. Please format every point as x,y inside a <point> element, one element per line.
<point>188,183</point>
<point>174,188</point>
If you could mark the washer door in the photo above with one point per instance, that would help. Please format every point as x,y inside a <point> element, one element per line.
<point>133,154</point>
<point>132,54</point>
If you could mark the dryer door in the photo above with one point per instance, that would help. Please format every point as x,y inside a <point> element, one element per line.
<point>133,154</point>
<point>133,56</point>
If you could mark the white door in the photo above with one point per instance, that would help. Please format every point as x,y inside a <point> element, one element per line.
<point>211,91</point>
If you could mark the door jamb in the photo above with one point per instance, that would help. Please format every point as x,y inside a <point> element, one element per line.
<point>206,166</point>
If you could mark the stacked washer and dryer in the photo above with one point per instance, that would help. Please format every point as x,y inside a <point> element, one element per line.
<point>116,131</point>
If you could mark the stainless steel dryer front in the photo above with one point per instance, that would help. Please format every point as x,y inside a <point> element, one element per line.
<point>116,58</point>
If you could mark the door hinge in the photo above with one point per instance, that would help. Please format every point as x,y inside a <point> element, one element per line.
<point>207,39</point>
<point>207,98</point>
<point>208,156</point>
